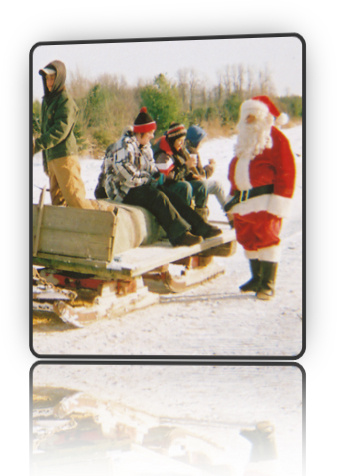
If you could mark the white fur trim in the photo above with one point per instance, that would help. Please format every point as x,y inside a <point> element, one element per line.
<point>282,119</point>
<point>256,108</point>
<point>256,204</point>
<point>241,175</point>
<point>279,206</point>
<point>274,204</point>
<point>270,253</point>
<point>251,254</point>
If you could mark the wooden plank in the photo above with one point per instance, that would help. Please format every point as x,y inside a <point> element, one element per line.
<point>129,228</point>
<point>74,232</point>
<point>69,244</point>
<point>141,260</point>
<point>39,222</point>
<point>78,220</point>
<point>76,265</point>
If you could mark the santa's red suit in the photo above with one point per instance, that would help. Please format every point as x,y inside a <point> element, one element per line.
<point>258,220</point>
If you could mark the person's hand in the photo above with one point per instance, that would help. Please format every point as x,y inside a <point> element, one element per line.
<point>191,161</point>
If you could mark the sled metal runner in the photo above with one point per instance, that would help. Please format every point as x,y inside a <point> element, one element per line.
<point>77,252</point>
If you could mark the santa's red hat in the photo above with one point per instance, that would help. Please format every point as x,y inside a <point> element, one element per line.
<point>261,106</point>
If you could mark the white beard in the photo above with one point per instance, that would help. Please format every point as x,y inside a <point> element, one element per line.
<point>253,138</point>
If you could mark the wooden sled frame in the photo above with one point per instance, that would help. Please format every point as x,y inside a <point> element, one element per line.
<point>78,249</point>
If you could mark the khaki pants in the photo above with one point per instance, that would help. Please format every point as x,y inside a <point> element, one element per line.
<point>66,184</point>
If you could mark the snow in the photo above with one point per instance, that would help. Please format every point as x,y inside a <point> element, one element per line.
<point>212,319</point>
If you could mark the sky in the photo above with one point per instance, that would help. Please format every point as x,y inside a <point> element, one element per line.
<point>280,56</point>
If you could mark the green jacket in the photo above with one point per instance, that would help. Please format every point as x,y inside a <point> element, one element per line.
<point>58,117</point>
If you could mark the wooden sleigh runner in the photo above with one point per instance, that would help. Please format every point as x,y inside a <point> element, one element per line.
<point>92,264</point>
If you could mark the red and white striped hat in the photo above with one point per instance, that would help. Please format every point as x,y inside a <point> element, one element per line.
<point>144,122</point>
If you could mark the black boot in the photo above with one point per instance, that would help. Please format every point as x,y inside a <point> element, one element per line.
<point>268,276</point>
<point>253,284</point>
<point>187,239</point>
<point>211,231</point>
<point>206,230</point>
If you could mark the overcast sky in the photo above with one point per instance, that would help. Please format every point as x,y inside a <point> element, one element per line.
<point>281,56</point>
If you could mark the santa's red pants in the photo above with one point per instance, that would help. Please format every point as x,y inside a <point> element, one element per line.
<point>257,230</point>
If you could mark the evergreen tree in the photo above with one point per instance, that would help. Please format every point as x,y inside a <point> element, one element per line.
<point>162,101</point>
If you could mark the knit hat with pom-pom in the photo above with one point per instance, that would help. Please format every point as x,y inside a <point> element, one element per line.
<point>144,122</point>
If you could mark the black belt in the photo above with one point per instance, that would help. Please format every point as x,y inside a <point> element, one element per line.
<point>243,195</point>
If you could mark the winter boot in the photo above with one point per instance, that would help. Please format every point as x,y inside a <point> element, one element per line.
<point>211,231</point>
<point>253,284</point>
<point>203,212</point>
<point>187,239</point>
<point>268,271</point>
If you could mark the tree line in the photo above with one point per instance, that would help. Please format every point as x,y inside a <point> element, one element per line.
<point>108,105</point>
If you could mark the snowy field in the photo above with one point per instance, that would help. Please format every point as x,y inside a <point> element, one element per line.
<point>212,319</point>
<point>195,414</point>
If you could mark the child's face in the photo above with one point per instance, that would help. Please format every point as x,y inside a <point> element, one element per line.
<point>178,143</point>
<point>50,80</point>
<point>145,138</point>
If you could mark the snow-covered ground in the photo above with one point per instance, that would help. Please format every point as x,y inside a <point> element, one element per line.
<point>204,407</point>
<point>213,319</point>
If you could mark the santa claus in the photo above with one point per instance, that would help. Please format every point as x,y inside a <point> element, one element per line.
<point>262,177</point>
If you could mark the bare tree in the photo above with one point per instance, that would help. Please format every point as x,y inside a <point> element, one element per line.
<point>250,81</point>
<point>193,84</point>
<point>183,87</point>
<point>266,85</point>
<point>228,80</point>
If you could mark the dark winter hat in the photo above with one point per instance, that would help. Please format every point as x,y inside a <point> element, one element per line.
<point>195,135</point>
<point>144,122</point>
<point>175,131</point>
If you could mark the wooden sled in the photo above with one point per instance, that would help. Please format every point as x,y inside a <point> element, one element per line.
<point>114,261</point>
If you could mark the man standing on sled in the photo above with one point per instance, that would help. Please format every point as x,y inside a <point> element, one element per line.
<point>57,140</point>
<point>262,177</point>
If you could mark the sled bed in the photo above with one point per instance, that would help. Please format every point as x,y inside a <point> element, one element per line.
<point>124,243</point>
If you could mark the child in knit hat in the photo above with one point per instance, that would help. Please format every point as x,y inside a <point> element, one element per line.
<point>194,137</point>
<point>173,160</point>
<point>132,177</point>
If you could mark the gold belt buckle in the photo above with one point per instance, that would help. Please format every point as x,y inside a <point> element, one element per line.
<point>243,196</point>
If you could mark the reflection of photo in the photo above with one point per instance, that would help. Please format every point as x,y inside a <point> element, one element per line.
<point>167,197</point>
<point>186,420</point>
